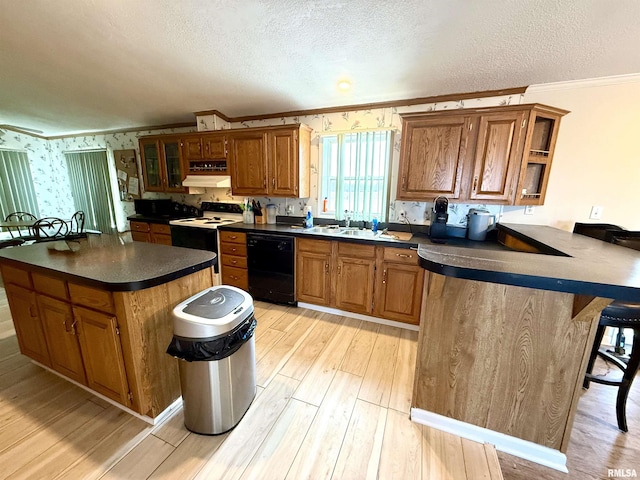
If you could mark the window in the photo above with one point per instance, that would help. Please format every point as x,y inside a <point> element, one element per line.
<point>16,186</point>
<point>355,174</point>
<point>91,189</point>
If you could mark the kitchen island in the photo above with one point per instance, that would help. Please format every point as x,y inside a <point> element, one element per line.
<point>505,335</point>
<point>97,311</point>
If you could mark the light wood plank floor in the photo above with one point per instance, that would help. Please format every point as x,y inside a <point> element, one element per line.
<point>333,403</point>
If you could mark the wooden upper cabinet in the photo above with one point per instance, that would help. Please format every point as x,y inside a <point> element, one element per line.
<point>151,165</point>
<point>271,161</point>
<point>497,156</point>
<point>248,154</point>
<point>432,157</point>
<point>540,144</point>
<point>162,169</point>
<point>485,155</point>
<point>283,163</point>
<point>205,153</point>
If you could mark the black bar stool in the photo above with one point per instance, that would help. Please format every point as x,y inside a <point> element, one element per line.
<point>618,315</point>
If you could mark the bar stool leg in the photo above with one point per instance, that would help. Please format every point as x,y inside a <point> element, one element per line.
<point>594,352</point>
<point>627,380</point>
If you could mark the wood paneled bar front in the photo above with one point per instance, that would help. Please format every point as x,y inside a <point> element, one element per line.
<point>505,335</point>
<point>98,312</point>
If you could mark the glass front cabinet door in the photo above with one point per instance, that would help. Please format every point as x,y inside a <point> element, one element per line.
<point>172,163</point>
<point>151,167</point>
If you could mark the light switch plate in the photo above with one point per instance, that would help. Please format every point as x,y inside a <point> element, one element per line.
<point>529,209</point>
<point>596,212</point>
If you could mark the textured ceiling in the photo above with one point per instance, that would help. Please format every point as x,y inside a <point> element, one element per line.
<point>80,65</point>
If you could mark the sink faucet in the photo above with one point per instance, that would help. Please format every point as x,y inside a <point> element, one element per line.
<point>347,219</point>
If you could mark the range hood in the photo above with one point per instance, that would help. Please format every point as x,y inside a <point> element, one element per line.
<point>211,181</point>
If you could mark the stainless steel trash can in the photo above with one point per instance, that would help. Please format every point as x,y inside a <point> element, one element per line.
<point>213,340</point>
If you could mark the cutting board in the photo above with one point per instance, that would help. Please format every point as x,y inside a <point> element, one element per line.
<point>404,236</point>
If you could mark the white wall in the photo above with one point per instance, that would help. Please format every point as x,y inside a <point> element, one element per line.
<point>597,158</point>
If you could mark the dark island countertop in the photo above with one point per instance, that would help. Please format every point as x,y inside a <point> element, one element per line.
<point>580,265</point>
<point>109,262</point>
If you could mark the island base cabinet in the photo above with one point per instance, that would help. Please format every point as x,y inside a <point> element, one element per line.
<point>28,324</point>
<point>62,339</point>
<point>506,358</point>
<point>102,354</point>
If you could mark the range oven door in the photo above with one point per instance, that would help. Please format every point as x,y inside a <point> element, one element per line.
<point>198,238</point>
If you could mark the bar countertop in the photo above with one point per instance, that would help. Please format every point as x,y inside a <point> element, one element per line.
<point>573,263</point>
<point>109,262</point>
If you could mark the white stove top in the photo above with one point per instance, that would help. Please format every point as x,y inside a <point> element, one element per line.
<point>214,214</point>
<point>204,222</point>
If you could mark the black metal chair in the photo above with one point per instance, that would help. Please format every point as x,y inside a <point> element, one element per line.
<point>618,315</point>
<point>19,217</point>
<point>50,228</point>
<point>77,222</point>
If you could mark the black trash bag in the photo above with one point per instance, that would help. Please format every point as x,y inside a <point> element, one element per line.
<point>215,348</point>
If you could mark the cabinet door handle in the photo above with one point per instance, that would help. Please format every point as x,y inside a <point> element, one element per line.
<point>403,255</point>
<point>339,269</point>
<point>384,276</point>
<point>234,261</point>
<point>273,182</point>
<point>404,182</point>
<point>475,183</point>
<point>233,237</point>
<point>32,312</point>
<point>326,267</point>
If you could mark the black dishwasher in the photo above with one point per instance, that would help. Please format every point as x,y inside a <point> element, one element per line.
<point>271,260</point>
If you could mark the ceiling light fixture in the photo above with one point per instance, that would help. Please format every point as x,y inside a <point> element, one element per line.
<point>344,85</point>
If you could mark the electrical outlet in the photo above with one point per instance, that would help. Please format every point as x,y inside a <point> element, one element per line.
<point>596,212</point>
<point>402,214</point>
<point>529,209</point>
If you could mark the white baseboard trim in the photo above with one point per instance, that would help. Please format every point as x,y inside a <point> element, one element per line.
<point>505,443</point>
<point>162,416</point>
<point>358,316</point>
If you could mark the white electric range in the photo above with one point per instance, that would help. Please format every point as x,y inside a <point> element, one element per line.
<point>202,232</point>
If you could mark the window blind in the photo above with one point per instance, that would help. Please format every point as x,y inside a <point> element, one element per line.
<point>16,185</point>
<point>91,189</point>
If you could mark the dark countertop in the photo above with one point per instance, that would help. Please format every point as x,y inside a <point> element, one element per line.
<point>589,266</point>
<point>109,262</point>
<point>295,231</point>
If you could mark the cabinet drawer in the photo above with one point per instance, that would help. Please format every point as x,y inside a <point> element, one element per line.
<point>16,276</point>
<point>160,228</point>
<point>233,237</point>
<point>52,287</point>
<point>356,250</point>
<point>401,255</point>
<point>234,249</point>
<point>141,237</point>
<point>233,261</point>
<point>314,246</point>
<point>91,297</point>
<point>161,239</point>
<point>237,277</point>
<point>139,226</point>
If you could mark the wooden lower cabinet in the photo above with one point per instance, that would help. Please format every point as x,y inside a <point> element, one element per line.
<point>355,273</point>
<point>313,274</point>
<point>399,282</point>
<point>62,339</point>
<point>380,281</point>
<point>150,232</point>
<point>233,262</point>
<point>28,324</point>
<point>113,342</point>
<point>99,336</point>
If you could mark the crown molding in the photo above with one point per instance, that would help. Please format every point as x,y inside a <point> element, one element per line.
<point>585,83</point>
<point>452,97</point>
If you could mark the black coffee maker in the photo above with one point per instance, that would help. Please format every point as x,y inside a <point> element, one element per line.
<point>439,216</point>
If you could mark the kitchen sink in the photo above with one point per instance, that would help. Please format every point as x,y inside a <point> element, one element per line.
<point>359,233</point>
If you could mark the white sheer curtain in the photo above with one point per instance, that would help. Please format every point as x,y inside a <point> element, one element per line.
<point>355,174</point>
<point>16,185</point>
<point>91,189</point>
